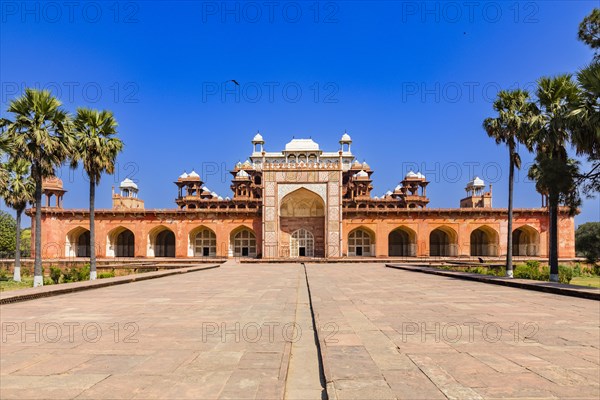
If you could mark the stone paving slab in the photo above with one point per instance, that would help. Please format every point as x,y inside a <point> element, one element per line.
<point>215,334</point>
<point>221,334</point>
<point>14,296</point>
<point>403,335</point>
<point>548,287</point>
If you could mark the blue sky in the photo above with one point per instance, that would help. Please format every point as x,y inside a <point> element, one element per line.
<point>410,81</point>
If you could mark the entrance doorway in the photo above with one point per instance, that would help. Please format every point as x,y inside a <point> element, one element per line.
<point>302,244</point>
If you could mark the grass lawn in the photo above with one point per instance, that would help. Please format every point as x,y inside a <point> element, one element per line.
<point>593,281</point>
<point>26,282</point>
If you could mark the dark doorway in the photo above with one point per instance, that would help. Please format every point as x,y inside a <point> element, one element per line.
<point>125,244</point>
<point>302,251</point>
<point>165,244</point>
<point>83,244</point>
<point>206,251</point>
<point>245,252</point>
<point>359,251</point>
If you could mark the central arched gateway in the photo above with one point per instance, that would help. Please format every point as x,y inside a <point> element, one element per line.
<point>302,224</point>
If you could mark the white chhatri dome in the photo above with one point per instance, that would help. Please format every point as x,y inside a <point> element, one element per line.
<point>183,176</point>
<point>361,174</point>
<point>258,138</point>
<point>193,174</point>
<point>345,138</point>
<point>128,184</point>
<point>242,174</point>
<point>476,182</point>
<point>302,145</point>
<point>411,174</point>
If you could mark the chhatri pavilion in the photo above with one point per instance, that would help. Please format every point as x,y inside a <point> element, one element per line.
<point>299,202</point>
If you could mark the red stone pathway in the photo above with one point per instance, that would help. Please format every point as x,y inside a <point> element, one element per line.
<point>384,333</point>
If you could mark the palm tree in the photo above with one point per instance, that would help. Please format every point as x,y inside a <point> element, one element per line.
<point>4,150</point>
<point>97,149</point>
<point>585,126</point>
<point>40,134</point>
<point>516,117</point>
<point>553,170</point>
<point>17,193</point>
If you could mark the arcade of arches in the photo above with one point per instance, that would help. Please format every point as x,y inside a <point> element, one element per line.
<point>302,223</point>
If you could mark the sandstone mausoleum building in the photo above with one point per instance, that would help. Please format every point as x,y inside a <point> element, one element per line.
<point>299,202</point>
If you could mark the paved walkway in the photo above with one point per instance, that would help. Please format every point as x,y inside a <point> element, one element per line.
<point>402,334</point>
<point>245,331</point>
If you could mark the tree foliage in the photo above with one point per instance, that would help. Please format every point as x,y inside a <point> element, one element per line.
<point>589,31</point>
<point>8,236</point>
<point>587,241</point>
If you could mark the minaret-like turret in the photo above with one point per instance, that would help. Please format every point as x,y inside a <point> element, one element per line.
<point>127,198</point>
<point>477,197</point>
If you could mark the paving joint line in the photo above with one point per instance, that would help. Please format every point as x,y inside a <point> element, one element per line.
<point>325,395</point>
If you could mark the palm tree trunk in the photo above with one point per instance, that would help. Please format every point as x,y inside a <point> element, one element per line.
<point>38,279</point>
<point>553,231</point>
<point>17,271</point>
<point>92,230</point>
<point>509,244</point>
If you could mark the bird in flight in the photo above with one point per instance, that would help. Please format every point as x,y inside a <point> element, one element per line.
<point>234,81</point>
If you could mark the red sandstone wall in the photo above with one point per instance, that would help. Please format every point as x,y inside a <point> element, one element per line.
<point>55,228</point>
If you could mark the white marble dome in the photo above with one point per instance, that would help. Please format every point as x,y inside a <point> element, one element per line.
<point>476,182</point>
<point>302,145</point>
<point>258,138</point>
<point>346,138</point>
<point>128,184</point>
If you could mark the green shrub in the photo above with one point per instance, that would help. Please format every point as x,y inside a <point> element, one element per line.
<point>103,275</point>
<point>84,273</point>
<point>577,270</point>
<point>55,273</point>
<point>4,275</point>
<point>565,274</point>
<point>48,281</point>
<point>596,269</point>
<point>533,264</point>
<point>526,271</point>
<point>26,271</point>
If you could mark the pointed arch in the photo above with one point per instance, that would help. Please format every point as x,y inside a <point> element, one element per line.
<point>78,242</point>
<point>443,242</point>
<point>120,242</point>
<point>526,241</point>
<point>302,202</point>
<point>242,242</point>
<point>484,241</point>
<point>161,242</point>
<point>402,242</point>
<point>361,242</point>
<point>202,242</point>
